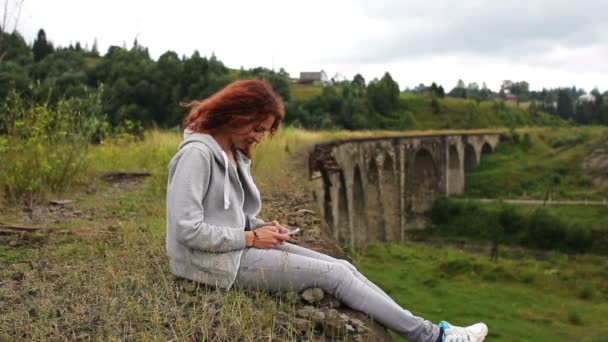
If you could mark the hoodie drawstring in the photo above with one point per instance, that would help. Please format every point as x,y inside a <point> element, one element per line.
<point>226,182</point>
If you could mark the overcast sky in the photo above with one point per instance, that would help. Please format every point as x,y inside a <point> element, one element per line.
<point>549,43</point>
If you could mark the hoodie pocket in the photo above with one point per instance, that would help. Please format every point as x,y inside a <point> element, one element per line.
<point>217,263</point>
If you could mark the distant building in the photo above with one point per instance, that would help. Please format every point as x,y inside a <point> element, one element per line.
<point>315,78</point>
<point>511,97</point>
<point>586,98</point>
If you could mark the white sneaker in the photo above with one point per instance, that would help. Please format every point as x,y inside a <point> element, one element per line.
<point>472,333</point>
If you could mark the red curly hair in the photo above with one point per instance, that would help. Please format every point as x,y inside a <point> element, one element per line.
<point>238,104</point>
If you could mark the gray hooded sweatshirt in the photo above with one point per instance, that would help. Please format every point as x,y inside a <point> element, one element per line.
<point>209,202</point>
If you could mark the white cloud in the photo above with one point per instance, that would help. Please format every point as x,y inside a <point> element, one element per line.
<point>548,43</point>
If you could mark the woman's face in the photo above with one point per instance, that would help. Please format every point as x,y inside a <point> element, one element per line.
<point>247,137</point>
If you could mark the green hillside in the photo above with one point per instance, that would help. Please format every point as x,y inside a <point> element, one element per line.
<point>536,163</point>
<point>463,113</point>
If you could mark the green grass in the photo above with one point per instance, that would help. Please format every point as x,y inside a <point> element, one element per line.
<point>516,171</point>
<point>469,114</point>
<point>571,229</point>
<point>112,283</point>
<point>305,91</point>
<point>10,255</point>
<point>110,280</point>
<point>520,300</point>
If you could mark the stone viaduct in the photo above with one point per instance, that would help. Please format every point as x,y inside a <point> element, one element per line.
<point>374,189</point>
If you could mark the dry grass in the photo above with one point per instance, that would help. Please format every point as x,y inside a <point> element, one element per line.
<point>114,283</point>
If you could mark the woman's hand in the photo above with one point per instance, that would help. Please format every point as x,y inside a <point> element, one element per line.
<point>281,229</point>
<point>270,236</point>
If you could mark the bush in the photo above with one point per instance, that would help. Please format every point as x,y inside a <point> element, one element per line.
<point>569,140</point>
<point>545,230</point>
<point>526,142</point>
<point>578,240</point>
<point>506,224</point>
<point>42,147</point>
<point>443,210</point>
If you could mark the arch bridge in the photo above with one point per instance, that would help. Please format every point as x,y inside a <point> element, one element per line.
<point>374,189</point>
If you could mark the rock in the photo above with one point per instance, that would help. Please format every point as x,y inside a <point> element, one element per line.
<point>306,312</point>
<point>345,317</point>
<point>329,301</point>
<point>301,325</point>
<point>350,329</point>
<point>313,295</point>
<point>358,325</point>
<point>318,318</point>
<point>330,313</point>
<point>335,328</point>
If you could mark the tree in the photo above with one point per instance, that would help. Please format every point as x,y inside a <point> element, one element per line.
<point>485,92</point>
<point>358,81</point>
<point>437,91</point>
<point>41,47</point>
<point>383,95</point>
<point>435,108</point>
<point>16,49</point>
<point>459,90</point>
<point>565,107</point>
<point>7,13</point>
<point>95,49</point>
<point>440,92</point>
<point>600,110</point>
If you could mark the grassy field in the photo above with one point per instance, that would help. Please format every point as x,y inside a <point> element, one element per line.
<point>549,164</point>
<point>456,113</point>
<point>521,299</point>
<point>304,91</point>
<point>110,281</point>
<point>591,217</point>
<point>470,114</point>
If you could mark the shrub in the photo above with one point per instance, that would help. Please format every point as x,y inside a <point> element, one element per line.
<point>442,210</point>
<point>578,239</point>
<point>42,147</point>
<point>526,142</point>
<point>545,230</point>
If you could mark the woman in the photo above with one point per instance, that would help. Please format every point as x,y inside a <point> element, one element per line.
<point>214,236</point>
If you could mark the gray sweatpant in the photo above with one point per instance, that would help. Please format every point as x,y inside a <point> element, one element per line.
<point>289,267</point>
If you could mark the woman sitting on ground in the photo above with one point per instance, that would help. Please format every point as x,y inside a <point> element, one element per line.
<point>214,236</point>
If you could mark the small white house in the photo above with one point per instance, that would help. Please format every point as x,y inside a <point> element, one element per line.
<point>314,77</point>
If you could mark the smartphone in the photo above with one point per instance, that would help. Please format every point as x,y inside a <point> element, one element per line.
<point>293,231</point>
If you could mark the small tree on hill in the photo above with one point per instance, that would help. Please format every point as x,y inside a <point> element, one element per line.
<point>565,107</point>
<point>41,47</point>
